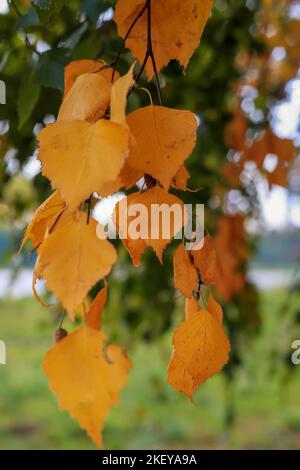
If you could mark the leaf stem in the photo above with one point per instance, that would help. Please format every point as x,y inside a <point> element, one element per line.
<point>89,209</point>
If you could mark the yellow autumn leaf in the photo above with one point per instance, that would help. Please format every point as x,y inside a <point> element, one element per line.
<point>72,259</point>
<point>201,349</point>
<point>150,218</point>
<point>86,378</point>
<point>163,140</point>
<point>87,99</point>
<point>79,157</point>
<point>176,28</point>
<point>78,67</point>
<point>127,178</point>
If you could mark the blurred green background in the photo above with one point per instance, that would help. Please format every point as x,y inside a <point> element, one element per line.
<point>240,64</point>
<point>263,398</point>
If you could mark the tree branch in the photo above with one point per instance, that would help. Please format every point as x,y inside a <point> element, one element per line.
<point>115,62</point>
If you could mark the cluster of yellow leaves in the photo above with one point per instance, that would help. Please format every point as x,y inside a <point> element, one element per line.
<point>94,147</point>
<point>82,152</point>
<point>79,157</point>
<point>201,347</point>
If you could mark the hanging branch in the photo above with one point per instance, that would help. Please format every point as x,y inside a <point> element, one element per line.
<point>115,62</point>
<point>149,50</point>
<point>149,55</point>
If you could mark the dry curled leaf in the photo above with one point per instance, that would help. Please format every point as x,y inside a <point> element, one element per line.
<point>176,28</point>
<point>118,99</point>
<point>140,222</point>
<point>172,134</point>
<point>201,349</point>
<point>72,259</point>
<point>185,276</point>
<point>86,378</point>
<point>93,316</point>
<point>43,219</point>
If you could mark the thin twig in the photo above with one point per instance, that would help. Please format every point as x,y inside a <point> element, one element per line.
<point>27,41</point>
<point>149,54</point>
<point>138,77</point>
<point>62,317</point>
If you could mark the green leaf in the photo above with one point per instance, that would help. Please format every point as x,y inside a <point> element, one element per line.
<point>50,69</point>
<point>93,8</point>
<point>88,48</point>
<point>43,4</point>
<point>75,37</point>
<point>47,8</point>
<point>29,94</point>
<point>28,20</point>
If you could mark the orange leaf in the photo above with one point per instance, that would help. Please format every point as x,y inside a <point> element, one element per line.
<point>185,276</point>
<point>72,259</point>
<point>79,157</point>
<point>180,179</point>
<point>87,99</point>
<point>201,349</point>
<point>191,307</point>
<point>269,143</point>
<point>93,316</point>
<point>150,227</point>
<point>207,261</point>
<point>231,241</point>
<point>215,309</point>
<point>235,131</point>
<point>87,380</point>
<point>176,28</point>
<point>171,134</point>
